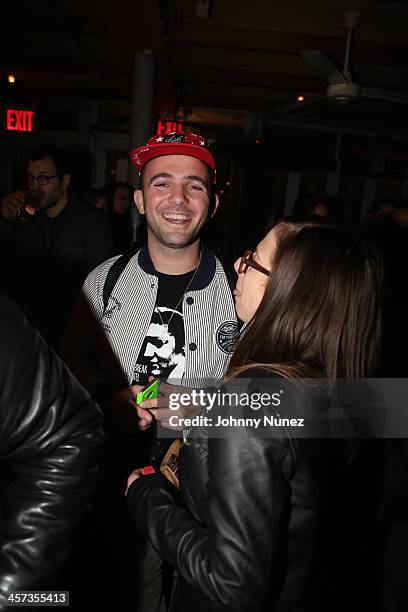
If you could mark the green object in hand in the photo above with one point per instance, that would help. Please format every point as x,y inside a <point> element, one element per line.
<point>151,391</point>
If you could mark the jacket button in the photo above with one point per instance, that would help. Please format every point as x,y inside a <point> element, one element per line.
<point>190,300</point>
<point>192,346</point>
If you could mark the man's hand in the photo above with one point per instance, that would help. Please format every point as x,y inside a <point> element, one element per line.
<point>159,409</point>
<point>121,407</point>
<point>10,205</point>
<point>144,413</point>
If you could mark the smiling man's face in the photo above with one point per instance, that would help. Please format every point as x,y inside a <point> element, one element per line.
<point>174,199</point>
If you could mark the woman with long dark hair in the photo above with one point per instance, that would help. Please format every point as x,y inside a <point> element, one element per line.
<point>320,308</point>
<point>244,534</point>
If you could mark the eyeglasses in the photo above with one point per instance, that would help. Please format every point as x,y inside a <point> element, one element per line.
<point>43,179</point>
<point>247,261</point>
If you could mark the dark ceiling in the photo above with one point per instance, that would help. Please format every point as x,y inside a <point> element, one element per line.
<point>231,55</point>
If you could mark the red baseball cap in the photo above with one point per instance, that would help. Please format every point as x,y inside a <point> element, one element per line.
<point>175,143</point>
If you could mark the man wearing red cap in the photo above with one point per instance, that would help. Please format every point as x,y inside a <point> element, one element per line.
<point>168,311</point>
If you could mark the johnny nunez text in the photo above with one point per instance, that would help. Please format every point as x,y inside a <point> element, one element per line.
<point>230,421</point>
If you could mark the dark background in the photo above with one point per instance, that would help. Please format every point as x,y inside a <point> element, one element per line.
<point>224,68</point>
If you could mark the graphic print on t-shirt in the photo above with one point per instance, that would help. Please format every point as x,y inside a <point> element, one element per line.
<point>162,354</point>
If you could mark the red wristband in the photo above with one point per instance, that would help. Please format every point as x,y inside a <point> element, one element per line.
<point>148,469</point>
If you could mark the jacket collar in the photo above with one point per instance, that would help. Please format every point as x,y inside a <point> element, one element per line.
<point>205,272</point>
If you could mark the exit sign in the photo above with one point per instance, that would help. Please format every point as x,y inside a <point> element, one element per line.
<point>19,120</point>
<point>165,126</point>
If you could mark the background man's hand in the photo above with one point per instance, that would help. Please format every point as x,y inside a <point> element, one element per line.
<point>10,205</point>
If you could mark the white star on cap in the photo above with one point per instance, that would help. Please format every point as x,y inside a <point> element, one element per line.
<point>159,139</point>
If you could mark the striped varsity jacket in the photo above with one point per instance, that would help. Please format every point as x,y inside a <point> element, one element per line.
<point>210,322</point>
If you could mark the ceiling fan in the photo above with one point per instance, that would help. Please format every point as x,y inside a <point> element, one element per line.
<point>341,89</point>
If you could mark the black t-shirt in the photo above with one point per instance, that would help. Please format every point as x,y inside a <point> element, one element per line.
<point>162,354</point>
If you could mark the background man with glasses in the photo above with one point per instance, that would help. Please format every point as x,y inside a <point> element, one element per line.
<point>50,241</point>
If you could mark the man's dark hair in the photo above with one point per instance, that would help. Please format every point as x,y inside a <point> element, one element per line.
<point>210,188</point>
<point>55,154</point>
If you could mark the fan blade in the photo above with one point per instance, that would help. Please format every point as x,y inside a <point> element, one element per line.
<point>323,64</point>
<point>298,105</point>
<point>384,94</point>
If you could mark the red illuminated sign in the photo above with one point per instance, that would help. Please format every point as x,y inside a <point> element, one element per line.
<point>165,126</point>
<point>18,120</point>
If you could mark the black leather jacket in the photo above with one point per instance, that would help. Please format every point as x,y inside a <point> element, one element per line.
<point>244,536</point>
<point>50,432</point>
